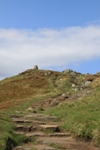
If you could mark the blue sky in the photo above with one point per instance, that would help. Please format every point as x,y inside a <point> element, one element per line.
<point>54,34</point>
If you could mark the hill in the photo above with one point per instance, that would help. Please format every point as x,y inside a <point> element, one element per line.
<point>71,96</point>
<point>31,83</point>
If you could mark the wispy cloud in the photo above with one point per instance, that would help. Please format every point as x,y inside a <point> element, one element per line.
<point>22,49</point>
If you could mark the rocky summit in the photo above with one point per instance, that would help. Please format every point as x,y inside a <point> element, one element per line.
<point>50,110</point>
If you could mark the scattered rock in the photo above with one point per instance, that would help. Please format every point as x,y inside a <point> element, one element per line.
<point>72,72</point>
<point>64,95</point>
<point>87,83</point>
<point>73,85</point>
<point>30,109</point>
<point>76,89</point>
<point>54,102</point>
<point>88,92</point>
<point>48,73</point>
<point>67,71</point>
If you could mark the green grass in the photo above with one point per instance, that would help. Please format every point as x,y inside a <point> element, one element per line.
<point>82,118</point>
<point>57,146</point>
<point>6,126</point>
<point>7,135</point>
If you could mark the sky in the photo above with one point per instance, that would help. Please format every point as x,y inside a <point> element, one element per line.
<point>53,34</point>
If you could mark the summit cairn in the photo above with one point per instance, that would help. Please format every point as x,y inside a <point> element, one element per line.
<point>36,67</point>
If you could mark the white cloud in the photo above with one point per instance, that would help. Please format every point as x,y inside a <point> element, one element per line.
<point>22,49</point>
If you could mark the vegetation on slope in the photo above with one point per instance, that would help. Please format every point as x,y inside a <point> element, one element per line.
<point>24,86</point>
<point>81,117</point>
<point>7,137</point>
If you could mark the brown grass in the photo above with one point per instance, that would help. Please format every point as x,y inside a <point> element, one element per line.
<point>24,86</point>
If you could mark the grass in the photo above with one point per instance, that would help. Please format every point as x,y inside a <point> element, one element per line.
<point>6,132</point>
<point>6,126</point>
<point>57,146</point>
<point>25,86</point>
<point>82,118</point>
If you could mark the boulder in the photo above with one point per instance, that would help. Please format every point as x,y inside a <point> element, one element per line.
<point>72,72</point>
<point>67,71</point>
<point>87,83</point>
<point>73,85</point>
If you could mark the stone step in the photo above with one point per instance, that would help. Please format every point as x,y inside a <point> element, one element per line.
<point>31,128</point>
<point>19,127</point>
<point>19,132</point>
<point>43,147</point>
<point>41,117</point>
<point>41,134</point>
<point>38,133</point>
<point>38,122</point>
<point>24,128</point>
<point>52,128</point>
<point>60,134</point>
<point>21,120</point>
<point>15,116</point>
<point>32,147</point>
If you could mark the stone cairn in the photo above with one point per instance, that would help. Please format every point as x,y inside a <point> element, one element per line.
<point>36,67</point>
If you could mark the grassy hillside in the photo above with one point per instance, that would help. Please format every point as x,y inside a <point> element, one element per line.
<point>24,86</point>
<point>81,118</point>
<point>30,83</point>
<point>79,110</point>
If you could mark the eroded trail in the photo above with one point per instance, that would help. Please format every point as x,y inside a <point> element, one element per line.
<point>43,133</point>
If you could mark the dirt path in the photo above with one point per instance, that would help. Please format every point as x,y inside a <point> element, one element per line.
<point>43,133</point>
